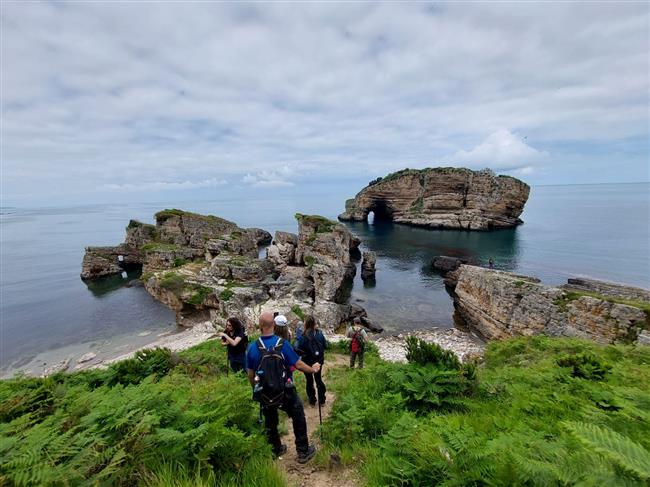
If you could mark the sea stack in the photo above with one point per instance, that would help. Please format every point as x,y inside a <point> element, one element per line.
<point>368,265</point>
<point>443,197</point>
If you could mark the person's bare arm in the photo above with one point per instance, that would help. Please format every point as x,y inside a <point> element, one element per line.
<point>251,377</point>
<point>303,367</point>
<point>230,341</point>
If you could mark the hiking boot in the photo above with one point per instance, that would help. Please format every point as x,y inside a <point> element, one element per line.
<point>280,451</point>
<point>308,455</point>
<point>312,402</point>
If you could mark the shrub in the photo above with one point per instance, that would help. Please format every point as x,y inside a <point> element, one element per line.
<point>420,352</point>
<point>585,366</point>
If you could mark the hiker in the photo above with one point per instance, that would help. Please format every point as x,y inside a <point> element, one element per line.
<point>358,343</point>
<point>236,340</point>
<point>491,263</point>
<point>299,329</point>
<point>268,362</point>
<point>281,328</point>
<point>311,347</point>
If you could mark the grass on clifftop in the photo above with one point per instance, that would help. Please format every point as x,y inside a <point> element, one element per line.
<point>540,411</point>
<point>321,224</point>
<point>537,411</point>
<point>172,212</point>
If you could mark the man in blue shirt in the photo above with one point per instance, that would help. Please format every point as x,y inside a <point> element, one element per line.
<point>292,404</point>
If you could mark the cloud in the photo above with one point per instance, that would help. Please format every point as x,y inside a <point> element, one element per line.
<point>501,150</point>
<point>165,185</point>
<point>98,93</point>
<point>270,179</point>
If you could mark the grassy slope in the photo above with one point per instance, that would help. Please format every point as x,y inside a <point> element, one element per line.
<point>522,419</point>
<point>528,421</point>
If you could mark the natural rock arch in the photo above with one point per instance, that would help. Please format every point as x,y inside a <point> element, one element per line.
<point>454,198</point>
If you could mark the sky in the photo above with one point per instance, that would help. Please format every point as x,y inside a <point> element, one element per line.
<point>128,101</point>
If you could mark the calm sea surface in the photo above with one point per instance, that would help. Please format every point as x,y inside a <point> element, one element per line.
<point>599,231</point>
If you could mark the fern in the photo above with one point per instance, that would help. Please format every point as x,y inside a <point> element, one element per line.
<point>626,453</point>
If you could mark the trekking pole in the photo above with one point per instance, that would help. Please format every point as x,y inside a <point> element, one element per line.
<point>260,420</point>
<point>320,414</point>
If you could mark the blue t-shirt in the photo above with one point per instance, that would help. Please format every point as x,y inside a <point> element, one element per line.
<point>253,357</point>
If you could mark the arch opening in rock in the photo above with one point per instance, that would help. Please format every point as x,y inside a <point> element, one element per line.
<point>381,211</point>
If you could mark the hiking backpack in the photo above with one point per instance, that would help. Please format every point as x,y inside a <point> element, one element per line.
<point>356,345</point>
<point>313,348</point>
<point>273,374</point>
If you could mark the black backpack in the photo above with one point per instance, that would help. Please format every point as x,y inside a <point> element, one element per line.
<point>273,374</point>
<point>313,348</point>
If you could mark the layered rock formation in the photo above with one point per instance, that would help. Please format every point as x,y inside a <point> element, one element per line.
<point>453,198</point>
<point>204,267</point>
<point>499,304</point>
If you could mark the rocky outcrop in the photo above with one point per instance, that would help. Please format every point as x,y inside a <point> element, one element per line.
<point>454,198</point>
<point>444,263</point>
<point>324,247</point>
<point>106,261</point>
<point>499,304</point>
<point>207,268</point>
<point>261,237</point>
<point>368,265</point>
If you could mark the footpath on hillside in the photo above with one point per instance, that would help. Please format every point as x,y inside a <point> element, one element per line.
<point>309,475</point>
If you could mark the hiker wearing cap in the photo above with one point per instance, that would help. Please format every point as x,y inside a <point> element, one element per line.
<point>268,362</point>
<point>357,333</point>
<point>311,346</point>
<point>281,328</point>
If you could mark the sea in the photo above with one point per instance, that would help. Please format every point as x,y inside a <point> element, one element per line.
<point>47,312</point>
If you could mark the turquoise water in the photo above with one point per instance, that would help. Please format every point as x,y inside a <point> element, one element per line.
<point>599,231</point>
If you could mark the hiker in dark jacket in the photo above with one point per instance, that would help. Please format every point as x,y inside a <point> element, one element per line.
<point>291,403</point>
<point>311,347</point>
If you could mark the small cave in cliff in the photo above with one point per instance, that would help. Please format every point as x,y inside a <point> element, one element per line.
<point>380,211</point>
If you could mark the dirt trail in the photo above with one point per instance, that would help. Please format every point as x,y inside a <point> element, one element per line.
<point>309,475</point>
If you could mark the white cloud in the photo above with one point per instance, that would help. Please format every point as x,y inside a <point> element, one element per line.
<point>165,185</point>
<point>270,179</point>
<point>98,93</point>
<point>501,150</point>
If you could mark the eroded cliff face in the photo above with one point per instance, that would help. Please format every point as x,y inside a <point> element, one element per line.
<point>453,198</point>
<point>204,267</point>
<point>499,304</point>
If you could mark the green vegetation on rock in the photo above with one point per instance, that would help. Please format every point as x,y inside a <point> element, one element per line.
<point>320,223</point>
<point>173,282</point>
<point>569,296</point>
<point>159,247</point>
<point>173,212</point>
<point>298,311</point>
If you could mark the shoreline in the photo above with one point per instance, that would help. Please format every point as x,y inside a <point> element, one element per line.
<point>391,348</point>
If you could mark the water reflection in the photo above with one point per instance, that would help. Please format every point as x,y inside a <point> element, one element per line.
<point>407,294</point>
<point>106,285</point>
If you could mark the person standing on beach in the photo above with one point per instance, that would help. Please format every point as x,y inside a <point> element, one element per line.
<point>236,340</point>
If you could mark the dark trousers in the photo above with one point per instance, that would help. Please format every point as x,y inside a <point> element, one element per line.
<point>320,385</point>
<point>293,407</point>
<point>237,362</point>
<point>353,357</point>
